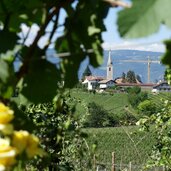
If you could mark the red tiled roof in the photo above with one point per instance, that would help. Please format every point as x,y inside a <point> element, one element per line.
<point>135,84</point>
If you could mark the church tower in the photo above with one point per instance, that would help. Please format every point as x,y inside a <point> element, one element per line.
<point>109,67</point>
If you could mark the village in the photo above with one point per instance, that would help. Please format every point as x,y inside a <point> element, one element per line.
<point>100,83</point>
<point>85,85</point>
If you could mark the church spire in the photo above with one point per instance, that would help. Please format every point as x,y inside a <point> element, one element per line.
<point>109,67</point>
<point>109,58</point>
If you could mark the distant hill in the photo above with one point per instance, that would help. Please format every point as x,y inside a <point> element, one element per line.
<point>157,70</point>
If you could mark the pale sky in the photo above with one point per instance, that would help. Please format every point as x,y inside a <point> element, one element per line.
<point>111,37</point>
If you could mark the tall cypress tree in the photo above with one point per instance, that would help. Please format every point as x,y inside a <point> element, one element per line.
<point>130,77</point>
<point>87,72</point>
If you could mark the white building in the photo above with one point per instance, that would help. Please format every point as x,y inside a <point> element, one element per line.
<point>162,87</point>
<point>106,83</point>
<point>92,82</point>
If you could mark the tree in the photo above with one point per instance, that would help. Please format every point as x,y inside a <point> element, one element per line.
<point>87,72</point>
<point>130,77</point>
<point>123,77</point>
<point>147,107</point>
<point>135,96</point>
<point>98,116</point>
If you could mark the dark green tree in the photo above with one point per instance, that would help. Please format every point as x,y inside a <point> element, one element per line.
<point>123,77</point>
<point>98,116</point>
<point>87,72</point>
<point>130,77</point>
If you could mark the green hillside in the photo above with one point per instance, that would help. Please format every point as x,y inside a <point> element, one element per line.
<point>113,103</point>
<point>156,98</point>
<point>128,143</point>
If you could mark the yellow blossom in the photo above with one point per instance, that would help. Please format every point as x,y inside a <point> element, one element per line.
<point>7,153</point>
<point>7,129</point>
<point>6,114</point>
<point>32,148</point>
<point>20,140</point>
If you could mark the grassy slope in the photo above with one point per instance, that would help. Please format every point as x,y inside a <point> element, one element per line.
<point>128,143</point>
<point>113,103</point>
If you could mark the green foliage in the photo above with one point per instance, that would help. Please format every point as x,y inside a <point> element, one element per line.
<point>128,143</point>
<point>40,81</point>
<point>39,88</point>
<point>98,116</point>
<point>162,122</point>
<point>167,75</point>
<point>88,15</point>
<point>130,77</point>
<point>143,14</point>
<point>144,18</point>
<point>113,110</point>
<point>64,127</point>
<point>135,96</point>
<point>7,79</point>
<point>87,72</point>
<point>11,41</point>
<point>147,107</point>
<point>166,60</point>
<point>123,77</point>
<point>114,104</point>
<point>133,90</point>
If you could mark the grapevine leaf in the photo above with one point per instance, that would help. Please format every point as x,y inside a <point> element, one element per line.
<point>6,79</point>
<point>4,71</point>
<point>40,84</point>
<point>7,40</point>
<point>144,18</point>
<point>166,59</point>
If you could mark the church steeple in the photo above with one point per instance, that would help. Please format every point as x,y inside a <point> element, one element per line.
<point>109,67</point>
<point>109,58</point>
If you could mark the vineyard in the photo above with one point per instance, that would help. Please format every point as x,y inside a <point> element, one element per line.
<point>114,103</point>
<point>128,144</point>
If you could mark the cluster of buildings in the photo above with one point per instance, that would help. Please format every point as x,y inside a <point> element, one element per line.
<point>92,82</point>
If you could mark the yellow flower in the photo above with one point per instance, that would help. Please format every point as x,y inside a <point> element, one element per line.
<point>6,128</point>
<point>7,153</point>
<point>32,147</point>
<point>20,140</point>
<point>6,115</point>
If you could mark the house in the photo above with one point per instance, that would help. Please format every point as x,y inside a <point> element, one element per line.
<point>92,82</point>
<point>162,87</point>
<point>144,87</point>
<point>106,83</point>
